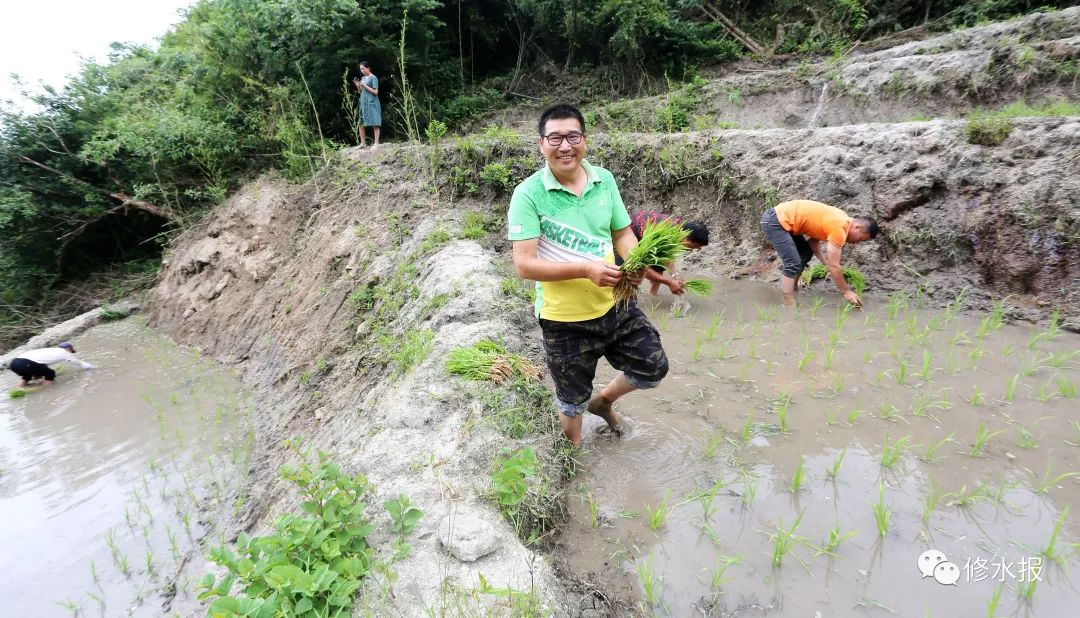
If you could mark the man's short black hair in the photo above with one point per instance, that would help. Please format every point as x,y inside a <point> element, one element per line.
<point>870,224</point>
<point>559,112</point>
<point>699,232</point>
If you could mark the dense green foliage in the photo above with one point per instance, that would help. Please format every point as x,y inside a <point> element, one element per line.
<point>135,148</point>
<point>312,564</point>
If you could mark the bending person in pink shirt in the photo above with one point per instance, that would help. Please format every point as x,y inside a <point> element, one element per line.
<point>34,364</point>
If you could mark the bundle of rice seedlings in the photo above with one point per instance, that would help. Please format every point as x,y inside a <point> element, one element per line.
<point>488,360</point>
<point>660,244</point>
<point>701,287</point>
<point>16,393</point>
<point>819,271</point>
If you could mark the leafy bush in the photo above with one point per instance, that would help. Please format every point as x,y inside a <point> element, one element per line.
<point>312,564</point>
<point>472,105</point>
<point>497,176</point>
<point>362,298</point>
<point>510,481</point>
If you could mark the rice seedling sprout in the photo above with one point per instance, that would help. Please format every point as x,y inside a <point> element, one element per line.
<point>658,515</point>
<point>799,478</point>
<point>882,514</point>
<point>834,468</point>
<point>982,436</point>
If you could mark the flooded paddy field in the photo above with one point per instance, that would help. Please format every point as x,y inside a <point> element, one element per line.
<point>109,477</point>
<point>830,462</point>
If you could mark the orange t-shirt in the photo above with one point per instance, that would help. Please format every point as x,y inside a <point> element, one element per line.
<point>814,219</point>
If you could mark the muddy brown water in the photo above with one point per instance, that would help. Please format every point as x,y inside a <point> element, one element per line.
<point>897,373</point>
<point>106,476</point>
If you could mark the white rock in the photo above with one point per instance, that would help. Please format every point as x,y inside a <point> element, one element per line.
<point>467,537</point>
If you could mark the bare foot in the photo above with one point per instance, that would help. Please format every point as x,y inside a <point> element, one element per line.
<point>601,406</point>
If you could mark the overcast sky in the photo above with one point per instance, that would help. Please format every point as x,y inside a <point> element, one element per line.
<point>43,40</point>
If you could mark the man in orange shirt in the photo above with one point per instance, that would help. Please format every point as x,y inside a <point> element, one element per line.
<point>796,230</point>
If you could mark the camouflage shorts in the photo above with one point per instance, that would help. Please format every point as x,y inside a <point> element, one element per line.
<point>625,338</point>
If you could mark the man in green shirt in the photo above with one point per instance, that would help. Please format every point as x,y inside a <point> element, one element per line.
<point>565,222</point>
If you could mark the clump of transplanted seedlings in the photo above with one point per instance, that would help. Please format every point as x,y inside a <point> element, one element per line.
<point>1050,551</point>
<point>723,563</point>
<point>1010,388</point>
<point>1066,387</point>
<point>931,454</point>
<point>1025,439</point>
<point>853,416</point>
<point>650,583</point>
<point>798,479</point>
<point>882,514</point>
<point>710,330</point>
<point>834,468</point>
<point>658,515</point>
<point>835,538</point>
<point>750,489</point>
<point>1049,481</point>
<point>965,498</point>
<point>594,508</point>
<point>892,452</point>
<point>783,406</point>
<point>982,436</point>
<point>807,357</point>
<point>784,539</point>
<point>931,501</point>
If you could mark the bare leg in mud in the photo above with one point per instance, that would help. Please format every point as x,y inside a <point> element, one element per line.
<point>789,286</point>
<point>601,404</point>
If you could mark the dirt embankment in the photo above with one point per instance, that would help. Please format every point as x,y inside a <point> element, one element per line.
<point>340,299</point>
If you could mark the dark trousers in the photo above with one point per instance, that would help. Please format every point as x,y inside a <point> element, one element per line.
<point>794,251</point>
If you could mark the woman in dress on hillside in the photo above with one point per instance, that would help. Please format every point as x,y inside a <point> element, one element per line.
<point>370,108</point>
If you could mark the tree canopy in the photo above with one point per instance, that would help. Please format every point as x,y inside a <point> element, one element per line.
<point>139,144</point>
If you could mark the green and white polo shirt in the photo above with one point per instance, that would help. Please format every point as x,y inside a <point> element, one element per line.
<point>570,229</point>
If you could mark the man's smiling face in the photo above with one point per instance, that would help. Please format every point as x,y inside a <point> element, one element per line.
<point>565,158</point>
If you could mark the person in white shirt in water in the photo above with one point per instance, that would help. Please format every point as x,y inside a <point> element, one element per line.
<point>34,364</point>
